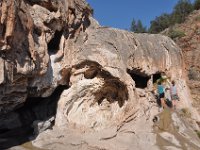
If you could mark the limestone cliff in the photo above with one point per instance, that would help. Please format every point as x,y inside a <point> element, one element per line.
<point>31,33</point>
<point>189,43</point>
<point>106,78</point>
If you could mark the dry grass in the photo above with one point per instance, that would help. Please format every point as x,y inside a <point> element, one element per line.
<point>185,112</point>
<point>198,133</point>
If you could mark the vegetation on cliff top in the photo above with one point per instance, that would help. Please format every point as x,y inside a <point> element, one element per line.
<point>180,11</point>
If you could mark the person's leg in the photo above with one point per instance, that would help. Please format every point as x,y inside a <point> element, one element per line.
<point>174,104</point>
<point>159,103</point>
<point>163,102</point>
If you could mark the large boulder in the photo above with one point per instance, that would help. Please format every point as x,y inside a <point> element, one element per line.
<point>110,75</point>
<point>108,68</point>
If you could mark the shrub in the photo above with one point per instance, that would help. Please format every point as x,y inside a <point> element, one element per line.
<point>185,112</point>
<point>197,18</point>
<point>176,34</point>
<point>194,74</point>
<point>198,133</point>
<point>197,4</point>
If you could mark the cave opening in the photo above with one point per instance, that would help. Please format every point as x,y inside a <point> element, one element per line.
<point>141,79</point>
<point>46,105</point>
<point>54,43</point>
<point>35,108</point>
<point>156,76</point>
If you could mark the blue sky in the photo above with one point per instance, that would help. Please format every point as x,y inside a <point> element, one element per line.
<point>119,13</point>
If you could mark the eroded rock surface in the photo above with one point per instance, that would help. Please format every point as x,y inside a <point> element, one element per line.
<point>189,43</point>
<point>32,38</point>
<point>108,74</point>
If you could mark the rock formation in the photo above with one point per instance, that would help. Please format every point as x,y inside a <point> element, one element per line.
<point>106,78</point>
<point>189,43</point>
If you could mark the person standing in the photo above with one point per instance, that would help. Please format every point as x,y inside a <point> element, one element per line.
<point>168,97</point>
<point>161,93</point>
<point>168,93</point>
<point>174,95</point>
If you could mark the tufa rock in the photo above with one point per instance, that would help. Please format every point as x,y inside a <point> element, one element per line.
<point>109,75</point>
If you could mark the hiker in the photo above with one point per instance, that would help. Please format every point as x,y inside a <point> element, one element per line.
<point>174,95</point>
<point>161,93</point>
<point>167,85</point>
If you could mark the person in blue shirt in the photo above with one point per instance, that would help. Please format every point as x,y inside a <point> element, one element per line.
<point>161,93</point>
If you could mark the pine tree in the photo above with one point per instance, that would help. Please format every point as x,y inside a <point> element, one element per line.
<point>181,11</point>
<point>133,26</point>
<point>160,23</point>
<point>137,27</point>
<point>140,27</point>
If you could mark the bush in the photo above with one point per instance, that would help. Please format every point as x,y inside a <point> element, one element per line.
<point>197,5</point>
<point>181,10</point>
<point>160,23</point>
<point>198,133</point>
<point>197,18</point>
<point>185,112</point>
<point>194,74</point>
<point>176,34</point>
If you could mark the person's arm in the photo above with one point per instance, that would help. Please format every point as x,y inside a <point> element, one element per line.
<point>170,90</point>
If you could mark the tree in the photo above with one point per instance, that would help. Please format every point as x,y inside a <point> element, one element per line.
<point>196,5</point>
<point>160,23</point>
<point>133,26</point>
<point>181,11</point>
<point>140,27</point>
<point>137,27</point>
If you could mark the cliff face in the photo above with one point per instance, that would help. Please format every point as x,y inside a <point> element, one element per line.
<point>107,68</point>
<point>32,31</point>
<point>189,43</point>
<point>107,74</point>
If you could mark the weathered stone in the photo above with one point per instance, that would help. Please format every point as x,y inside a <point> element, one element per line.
<point>27,29</point>
<point>109,74</point>
<point>2,78</point>
<point>40,126</point>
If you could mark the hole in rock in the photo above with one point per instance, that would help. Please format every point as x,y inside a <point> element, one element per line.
<point>112,90</point>
<point>2,30</point>
<point>37,31</point>
<point>41,108</point>
<point>156,76</point>
<point>35,108</point>
<point>141,79</point>
<point>53,45</point>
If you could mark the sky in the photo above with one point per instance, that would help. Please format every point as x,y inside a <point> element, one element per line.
<point>120,13</point>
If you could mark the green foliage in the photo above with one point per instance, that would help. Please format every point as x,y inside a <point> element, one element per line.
<point>133,25</point>
<point>181,11</point>
<point>176,34</point>
<point>196,5</point>
<point>198,133</point>
<point>193,74</point>
<point>137,27</point>
<point>185,112</point>
<point>160,23</point>
<point>197,18</point>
